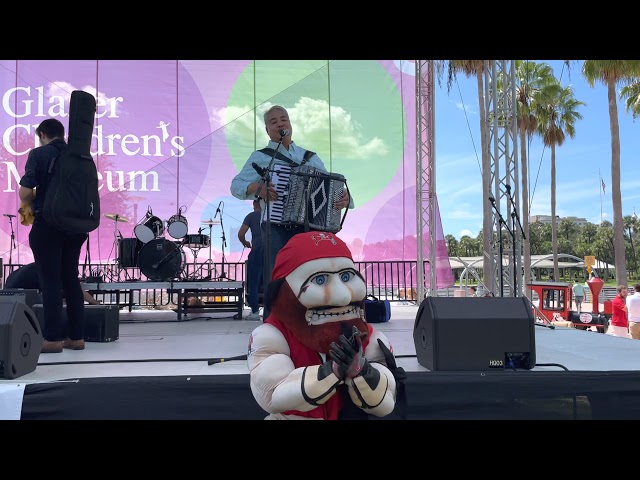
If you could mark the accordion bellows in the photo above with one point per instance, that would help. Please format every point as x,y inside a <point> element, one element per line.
<point>306,197</point>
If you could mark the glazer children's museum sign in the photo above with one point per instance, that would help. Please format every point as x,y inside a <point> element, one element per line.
<point>37,107</point>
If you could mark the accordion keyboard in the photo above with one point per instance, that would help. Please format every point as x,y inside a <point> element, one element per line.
<point>280,178</point>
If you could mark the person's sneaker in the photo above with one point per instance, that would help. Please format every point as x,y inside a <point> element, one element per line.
<point>73,344</point>
<point>253,316</point>
<point>51,347</point>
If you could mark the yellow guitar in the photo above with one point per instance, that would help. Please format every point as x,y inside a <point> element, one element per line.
<point>26,214</point>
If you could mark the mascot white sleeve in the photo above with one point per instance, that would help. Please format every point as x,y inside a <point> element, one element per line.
<point>315,357</point>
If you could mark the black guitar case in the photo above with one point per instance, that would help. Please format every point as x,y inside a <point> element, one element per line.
<point>72,200</point>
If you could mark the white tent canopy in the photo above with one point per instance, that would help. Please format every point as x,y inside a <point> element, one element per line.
<point>537,261</point>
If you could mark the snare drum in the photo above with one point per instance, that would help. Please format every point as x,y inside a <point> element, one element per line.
<point>196,240</point>
<point>177,226</point>
<point>152,227</point>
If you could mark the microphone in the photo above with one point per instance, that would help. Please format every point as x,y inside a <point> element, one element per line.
<point>217,210</point>
<point>492,199</point>
<point>8,215</point>
<point>283,133</point>
<point>261,171</point>
<point>508,187</point>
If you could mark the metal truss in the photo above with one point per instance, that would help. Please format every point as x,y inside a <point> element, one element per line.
<point>425,176</point>
<point>501,131</point>
<point>501,124</point>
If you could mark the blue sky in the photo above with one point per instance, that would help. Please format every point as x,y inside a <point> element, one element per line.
<point>579,161</point>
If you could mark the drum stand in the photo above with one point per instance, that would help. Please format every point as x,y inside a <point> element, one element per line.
<point>194,251</point>
<point>117,270</point>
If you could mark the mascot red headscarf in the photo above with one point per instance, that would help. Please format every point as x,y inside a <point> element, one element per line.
<point>315,356</point>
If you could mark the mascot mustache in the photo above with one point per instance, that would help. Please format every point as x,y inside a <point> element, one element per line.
<point>289,311</point>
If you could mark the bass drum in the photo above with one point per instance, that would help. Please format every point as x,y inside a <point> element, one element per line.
<point>160,260</point>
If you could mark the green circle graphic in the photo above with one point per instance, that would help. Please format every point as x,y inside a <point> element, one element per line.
<point>349,112</point>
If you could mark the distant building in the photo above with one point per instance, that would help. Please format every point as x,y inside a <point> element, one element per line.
<point>578,221</point>
<point>547,219</point>
<point>543,218</point>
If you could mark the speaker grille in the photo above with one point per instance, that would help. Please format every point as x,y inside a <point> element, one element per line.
<point>458,333</point>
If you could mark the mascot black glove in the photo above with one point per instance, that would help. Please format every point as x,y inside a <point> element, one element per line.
<point>348,357</point>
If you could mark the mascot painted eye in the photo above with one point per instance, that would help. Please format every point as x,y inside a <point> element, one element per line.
<point>320,279</point>
<point>346,276</point>
<point>315,356</point>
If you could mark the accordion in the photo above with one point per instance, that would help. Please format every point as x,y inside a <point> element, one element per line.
<point>306,197</point>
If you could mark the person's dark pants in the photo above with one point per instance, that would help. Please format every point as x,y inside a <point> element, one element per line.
<point>278,237</point>
<point>57,257</point>
<point>255,266</point>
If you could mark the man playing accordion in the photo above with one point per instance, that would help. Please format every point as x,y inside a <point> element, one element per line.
<point>249,184</point>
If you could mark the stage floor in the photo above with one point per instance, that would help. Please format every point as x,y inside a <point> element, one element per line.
<point>153,343</point>
<point>155,348</point>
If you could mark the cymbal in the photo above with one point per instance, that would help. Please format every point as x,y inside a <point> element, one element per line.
<point>211,222</point>
<point>116,217</point>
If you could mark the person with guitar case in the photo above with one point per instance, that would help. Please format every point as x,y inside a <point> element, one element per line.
<point>65,210</point>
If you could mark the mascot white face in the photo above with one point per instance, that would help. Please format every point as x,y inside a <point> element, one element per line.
<point>330,288</point>
<point>316,290</point>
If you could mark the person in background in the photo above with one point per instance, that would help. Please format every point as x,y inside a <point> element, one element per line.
<point>26,277</point>
<point>254,260</point>
<point>633,310</point>
<point>56,254</point>
<point>473,291</point>
<point>619,326</point>
<point>249,184</point>
<point>578,294</point>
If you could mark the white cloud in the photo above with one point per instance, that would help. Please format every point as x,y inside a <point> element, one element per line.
<point>467,108</point>
<point>308,117</point>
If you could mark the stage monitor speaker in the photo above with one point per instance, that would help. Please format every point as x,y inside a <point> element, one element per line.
<point>475,334</point>
<point>20,340</point>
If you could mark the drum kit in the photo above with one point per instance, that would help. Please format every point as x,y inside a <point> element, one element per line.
<point>158,258</point>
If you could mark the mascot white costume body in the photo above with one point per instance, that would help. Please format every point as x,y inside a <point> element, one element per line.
<point>315,357</point>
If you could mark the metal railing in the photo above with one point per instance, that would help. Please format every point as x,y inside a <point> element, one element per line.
<point>387,280</point>
<point>393,280</point>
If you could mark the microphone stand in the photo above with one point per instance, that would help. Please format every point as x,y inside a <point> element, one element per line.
<point>164,259</point>
<point>13,239</point>
<point>500,223</point>
<point>223,275</point>
<point>514,218</point>
<point>266,179</point>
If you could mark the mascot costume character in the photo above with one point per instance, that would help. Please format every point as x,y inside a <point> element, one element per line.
<point>315,356</point>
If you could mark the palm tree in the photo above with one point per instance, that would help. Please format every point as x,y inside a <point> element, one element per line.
<point>452,245</point>
<point>557,115</point>
<point>531,77</point>
<point>631,224</point>
<point>631,95</point>
<point>476,68</point>
<point>611,73</point>
<point>467,246</point>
